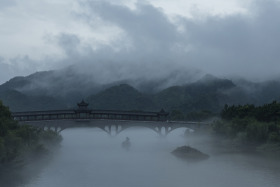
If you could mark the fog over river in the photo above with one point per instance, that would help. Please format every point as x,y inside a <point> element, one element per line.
<point>88,157</point>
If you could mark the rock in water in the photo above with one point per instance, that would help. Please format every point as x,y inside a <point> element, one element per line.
<point>189,153</point>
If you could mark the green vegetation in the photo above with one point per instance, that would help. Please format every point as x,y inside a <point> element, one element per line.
<point>250,125</point>
<point>266,113</point>
<point>191,98</point>
<point>19,141</point>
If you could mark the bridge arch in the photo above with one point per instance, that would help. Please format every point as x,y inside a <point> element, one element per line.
<point>161,131</point>
<point>154,129</point>
<point>115,127</point>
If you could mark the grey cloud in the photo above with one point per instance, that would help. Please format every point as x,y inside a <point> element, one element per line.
<point>69,42</point>
<point>5,70</point>
<point>238,45</point>
<point>153,53</point>
<point>145,26</point>
<point>7,3</point>
<point>18,66</point>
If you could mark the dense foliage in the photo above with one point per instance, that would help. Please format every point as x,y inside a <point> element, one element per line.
<point>266,113</point>
<point>251,124</point>
<point>16,141</point>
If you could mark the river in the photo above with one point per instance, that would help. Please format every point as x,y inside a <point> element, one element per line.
<point>88,157</point>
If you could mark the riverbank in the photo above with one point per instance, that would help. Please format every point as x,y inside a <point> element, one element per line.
<point>26,167</point>
<point>21,148</point>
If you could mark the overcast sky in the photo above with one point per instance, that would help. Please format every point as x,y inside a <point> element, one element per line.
<point>140,39</point>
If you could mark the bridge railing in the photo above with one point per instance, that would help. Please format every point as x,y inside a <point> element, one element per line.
<point>89,114</point>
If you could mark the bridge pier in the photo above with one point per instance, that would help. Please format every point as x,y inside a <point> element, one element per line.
<point>109,129</point>
<point>161,131</point>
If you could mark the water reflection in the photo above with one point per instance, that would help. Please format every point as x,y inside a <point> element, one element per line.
<point>89,157</point>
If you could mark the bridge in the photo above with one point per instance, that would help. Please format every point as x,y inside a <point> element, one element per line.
<point>110,121</point>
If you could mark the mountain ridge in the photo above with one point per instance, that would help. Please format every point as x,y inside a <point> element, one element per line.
<point>54,90</point>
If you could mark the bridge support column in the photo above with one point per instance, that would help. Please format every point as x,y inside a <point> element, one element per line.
<point>119,128</point>
<point>162,131</point>
<point>165,131</point>
<point>110,130</point>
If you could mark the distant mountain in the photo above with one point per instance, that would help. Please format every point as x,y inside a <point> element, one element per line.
<point>14,99</point>
<point>121,97</point>
<point>64,85</point>
<point>64,88</point>
<point>191,97</point>
<point>204,94</point>
<point>257,93</point>
<point>18,101</point>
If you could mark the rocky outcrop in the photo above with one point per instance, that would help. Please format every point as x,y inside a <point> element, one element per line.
<point>189,153</point>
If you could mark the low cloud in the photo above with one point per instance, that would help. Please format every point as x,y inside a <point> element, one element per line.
<point>241,45</point>
<point>150,47</point>
<point>143,43</point>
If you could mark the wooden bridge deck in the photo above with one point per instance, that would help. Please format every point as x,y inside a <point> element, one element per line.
<point>89,114</point>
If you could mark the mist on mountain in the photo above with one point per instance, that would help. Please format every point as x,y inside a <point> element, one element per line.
<point>64,88</point>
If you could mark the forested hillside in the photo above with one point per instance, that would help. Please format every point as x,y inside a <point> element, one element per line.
<point>62,90</point>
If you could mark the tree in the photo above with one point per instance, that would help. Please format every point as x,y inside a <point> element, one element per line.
<point>17,139</point>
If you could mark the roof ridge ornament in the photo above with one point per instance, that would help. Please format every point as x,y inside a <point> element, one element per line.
<point>82,105</point>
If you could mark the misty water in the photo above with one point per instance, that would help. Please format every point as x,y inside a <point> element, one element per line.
<point>88,157</point>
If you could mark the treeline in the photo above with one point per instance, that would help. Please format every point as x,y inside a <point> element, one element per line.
<point>266,113</point>
<point>18,141</point>
<point>251,124</point>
